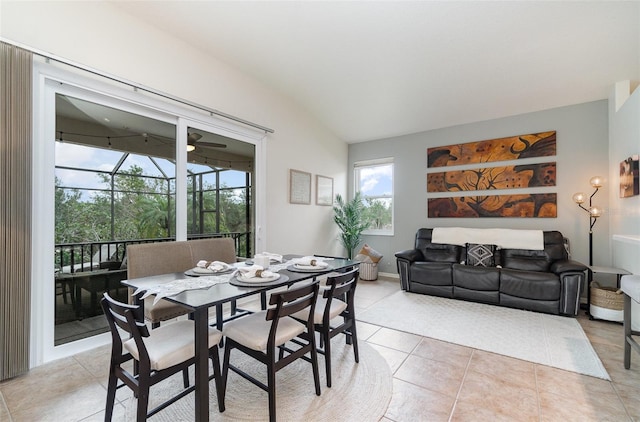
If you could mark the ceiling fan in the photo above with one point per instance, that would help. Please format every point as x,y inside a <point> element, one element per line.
<point>193,139</point>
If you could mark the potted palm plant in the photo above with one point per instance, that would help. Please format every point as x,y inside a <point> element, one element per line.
<point>351,220</point>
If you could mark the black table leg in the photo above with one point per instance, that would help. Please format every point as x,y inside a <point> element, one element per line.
<point>201,317</point>
<point>263,300</point>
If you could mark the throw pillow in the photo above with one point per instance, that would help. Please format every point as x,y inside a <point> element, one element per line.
<point>363,258</point>
<point>371,253</point>
<point>481,255</point>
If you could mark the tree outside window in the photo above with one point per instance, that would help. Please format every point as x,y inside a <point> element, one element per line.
<point>374,180</point>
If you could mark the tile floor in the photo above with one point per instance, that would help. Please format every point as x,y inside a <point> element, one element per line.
<point>433,381</point>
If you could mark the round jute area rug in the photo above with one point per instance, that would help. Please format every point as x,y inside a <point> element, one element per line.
<point>359,392</point>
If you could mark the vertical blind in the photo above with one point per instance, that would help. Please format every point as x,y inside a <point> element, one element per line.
<point>15,209</point>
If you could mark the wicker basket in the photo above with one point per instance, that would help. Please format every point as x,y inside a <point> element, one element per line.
<point>606,297</point>
<point>368,271</point>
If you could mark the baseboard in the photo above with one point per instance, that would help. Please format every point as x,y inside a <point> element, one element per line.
<point>389,275</point>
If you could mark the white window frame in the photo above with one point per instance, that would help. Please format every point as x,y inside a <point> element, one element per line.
<point>358,166</point>
<point>49,79</point>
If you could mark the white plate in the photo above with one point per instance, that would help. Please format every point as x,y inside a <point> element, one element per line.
<point>258,279</point>
<point>318,266</point>
<point>199,270</point>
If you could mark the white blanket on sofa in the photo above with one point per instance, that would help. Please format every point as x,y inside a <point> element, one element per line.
<point>504,238</point>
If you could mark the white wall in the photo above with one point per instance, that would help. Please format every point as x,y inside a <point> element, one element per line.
<point>582,148</point>
<point>624,128</point>
<point>100,36</point>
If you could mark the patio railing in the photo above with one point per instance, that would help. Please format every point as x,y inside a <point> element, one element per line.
<point>75,257</point>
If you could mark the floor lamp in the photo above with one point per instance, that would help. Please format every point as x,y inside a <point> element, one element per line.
<point>594,211</point>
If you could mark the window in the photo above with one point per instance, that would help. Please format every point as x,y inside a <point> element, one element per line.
<point>87,159</point>
<point>374,180</point>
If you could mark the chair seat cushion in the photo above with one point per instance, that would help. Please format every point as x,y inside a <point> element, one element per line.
<point>171,344</point>
<point>252,331</point>
<point>337,307</point>
<point>162,311</point>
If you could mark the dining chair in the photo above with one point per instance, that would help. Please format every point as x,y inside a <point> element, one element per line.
<point>159,354</point>
<point>261,334</point>
<point>337,300</point>
<point>149,259</point>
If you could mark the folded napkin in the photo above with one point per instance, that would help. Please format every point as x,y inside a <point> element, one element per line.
<point>215,266</point>
<point>273,256</point>
<point>255,271</point>
<point>311,261</point>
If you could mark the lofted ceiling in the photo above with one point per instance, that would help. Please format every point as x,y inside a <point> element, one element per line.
<point>371,70</point>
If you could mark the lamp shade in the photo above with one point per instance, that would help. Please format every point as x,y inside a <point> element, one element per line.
<point>578,197</point>
<point>595,211</point>
<point>596,181</point>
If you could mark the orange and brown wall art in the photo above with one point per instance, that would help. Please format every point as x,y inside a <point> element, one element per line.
<point>517,176</point>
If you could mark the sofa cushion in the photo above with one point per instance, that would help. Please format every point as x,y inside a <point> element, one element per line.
<point>436,251</point>
<point>480,255</point>
<point>546,306</point>
<point>530,284</point>
<point>442,253</point>
<point>434,273</point>
<point>425,289</point>
<point>525,259</point>
<point>476,277</point>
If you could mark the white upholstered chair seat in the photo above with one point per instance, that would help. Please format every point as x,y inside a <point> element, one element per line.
<point>337,307</point>
<point>252,331</point>
<point>171,344</point>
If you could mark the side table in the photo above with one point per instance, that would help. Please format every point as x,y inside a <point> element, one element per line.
<point>619,272</point>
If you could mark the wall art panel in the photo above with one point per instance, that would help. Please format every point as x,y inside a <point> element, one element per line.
<point>509,177</point>
<point>527,205</point>
<point>512,148</point>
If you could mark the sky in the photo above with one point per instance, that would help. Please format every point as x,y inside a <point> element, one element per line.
<point>376,181</point>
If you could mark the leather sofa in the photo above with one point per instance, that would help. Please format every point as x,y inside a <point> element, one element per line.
<point>538,280</point>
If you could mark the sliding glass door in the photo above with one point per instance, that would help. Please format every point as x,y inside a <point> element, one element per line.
<point>115,185</point>
<point>112,169</point>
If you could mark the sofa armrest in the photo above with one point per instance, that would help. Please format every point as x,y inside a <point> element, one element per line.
<point>410,255</point>
<point>404,260</point>
<point>559,267</point>
<point>571,286</point>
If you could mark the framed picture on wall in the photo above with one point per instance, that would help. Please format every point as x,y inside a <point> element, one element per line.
<point>324,190</point>
<point>299,187</point>
<point>629,177</point>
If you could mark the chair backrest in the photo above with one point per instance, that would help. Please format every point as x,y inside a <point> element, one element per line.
<point>149,259</point>
<point>339,286</point>
<point>105,253</point>
<point>289,302</point>
<point>214,249</point>
<point>129,318</point>
<point>293,300</point>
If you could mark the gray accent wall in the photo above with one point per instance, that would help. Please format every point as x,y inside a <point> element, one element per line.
<point>582,152</point>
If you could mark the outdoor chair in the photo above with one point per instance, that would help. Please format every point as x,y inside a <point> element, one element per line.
<point>259,335</point>
<point>159,354</point>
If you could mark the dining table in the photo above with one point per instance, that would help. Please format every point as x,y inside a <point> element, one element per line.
<point>215,291</point>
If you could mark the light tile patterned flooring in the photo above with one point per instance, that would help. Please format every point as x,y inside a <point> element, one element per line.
<point>433,381</point>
